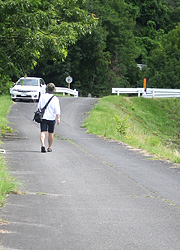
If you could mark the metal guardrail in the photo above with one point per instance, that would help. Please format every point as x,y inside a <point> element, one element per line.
<point>67,91</point>
<point>149,93</point>
<point>161,93</point>
<point>119,91</point>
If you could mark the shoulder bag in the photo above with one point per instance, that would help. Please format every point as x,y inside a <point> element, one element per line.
<point>38,115</point>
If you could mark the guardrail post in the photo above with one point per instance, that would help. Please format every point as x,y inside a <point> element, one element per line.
<point>153,93</point>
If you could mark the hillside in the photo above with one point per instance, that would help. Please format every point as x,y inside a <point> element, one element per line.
<point>148,124</point>
<point>98,43</point>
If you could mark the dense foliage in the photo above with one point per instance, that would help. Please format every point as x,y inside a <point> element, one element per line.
<point>97,42</point>
<point>33,30</point>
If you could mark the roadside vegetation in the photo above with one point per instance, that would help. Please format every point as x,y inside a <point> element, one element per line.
<point>152,125</point>
<point>98,43</point>
<point>7,183</point>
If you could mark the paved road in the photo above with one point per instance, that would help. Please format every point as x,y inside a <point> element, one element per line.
<point>89,193</point>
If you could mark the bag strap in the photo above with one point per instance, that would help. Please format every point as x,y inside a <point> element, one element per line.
<point>47,103</point>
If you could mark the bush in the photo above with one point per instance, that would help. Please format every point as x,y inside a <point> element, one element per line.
<point>5,84</point>
<point>121,124</point>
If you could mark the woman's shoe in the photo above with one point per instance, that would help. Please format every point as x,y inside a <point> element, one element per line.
<point>43,150</point>
<point>49,150</point>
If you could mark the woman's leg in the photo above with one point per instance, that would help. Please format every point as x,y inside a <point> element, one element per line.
<point>42,138</point>
<point>50,139</point>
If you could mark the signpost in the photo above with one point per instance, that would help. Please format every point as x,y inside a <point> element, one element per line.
<point>144,84</point>
<point>69,81</point>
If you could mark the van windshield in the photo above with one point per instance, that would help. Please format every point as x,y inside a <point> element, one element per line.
<point>28,82</point>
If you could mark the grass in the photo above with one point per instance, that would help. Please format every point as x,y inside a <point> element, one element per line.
<point>7,183</point>
<point>149,124</point>
<point>5,104</point>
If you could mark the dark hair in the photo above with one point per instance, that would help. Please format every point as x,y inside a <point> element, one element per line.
<point>50,88</point>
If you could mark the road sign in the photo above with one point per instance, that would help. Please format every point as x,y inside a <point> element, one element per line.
<point>69,79</point>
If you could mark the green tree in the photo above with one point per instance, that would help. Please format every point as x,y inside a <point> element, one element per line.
<point>106,58</point>
<point>120,43</point>
<point>151,10</point>
<point>86,62</point>
<point>163,68</point>
<point>128,32</point>
<point>153,19</point>
<point>33,30</point>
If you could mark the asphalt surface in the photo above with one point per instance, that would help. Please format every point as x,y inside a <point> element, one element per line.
<point>89,193</point>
